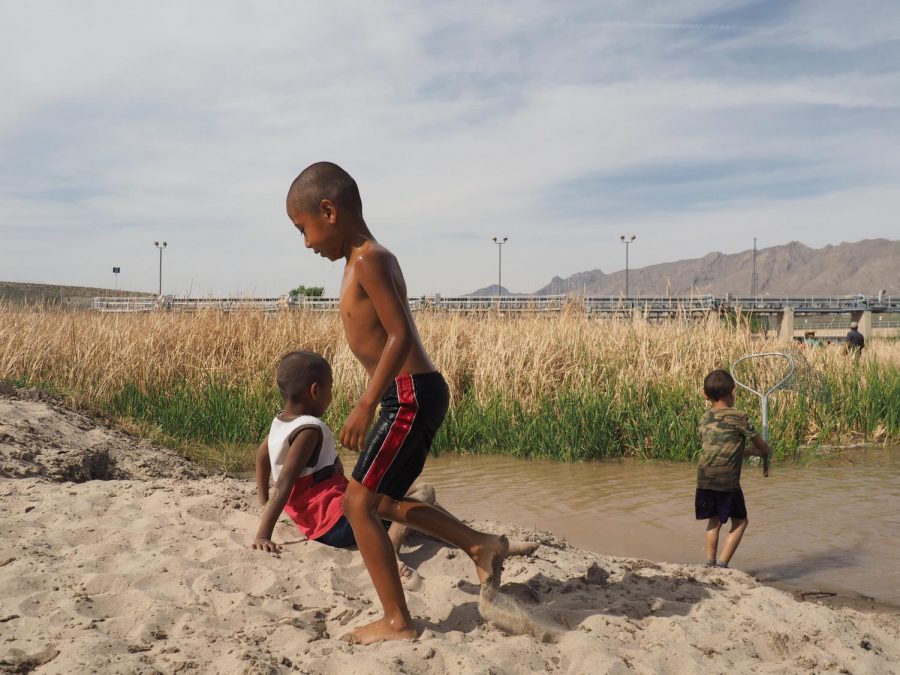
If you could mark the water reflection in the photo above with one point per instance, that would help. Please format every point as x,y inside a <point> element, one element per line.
<point>830,525</point>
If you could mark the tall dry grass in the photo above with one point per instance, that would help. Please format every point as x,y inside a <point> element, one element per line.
<point>562,386</point>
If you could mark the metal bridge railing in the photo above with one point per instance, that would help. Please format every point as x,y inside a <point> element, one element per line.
<point>591,305</point>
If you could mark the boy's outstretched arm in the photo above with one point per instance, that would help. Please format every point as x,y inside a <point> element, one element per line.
<point>763,450</point>
<point>376,277</point>
<point>759,447</point>
<point>302,448</point>
<point>263,472</point>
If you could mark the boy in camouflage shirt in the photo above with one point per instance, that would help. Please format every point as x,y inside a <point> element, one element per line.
<point>723,432</point>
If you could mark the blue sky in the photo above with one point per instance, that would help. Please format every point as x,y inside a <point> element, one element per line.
<point>696,125</point>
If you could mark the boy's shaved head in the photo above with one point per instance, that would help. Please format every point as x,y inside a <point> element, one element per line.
<point>323,180</point>
<point>718,384</point>
<point>297,371</point>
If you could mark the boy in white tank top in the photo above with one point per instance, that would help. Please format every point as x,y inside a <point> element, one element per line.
<point>299,454</point>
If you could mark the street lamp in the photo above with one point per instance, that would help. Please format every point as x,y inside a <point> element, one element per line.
<point>499,241</point>
<point>164,244</point>
<point>626,242</point>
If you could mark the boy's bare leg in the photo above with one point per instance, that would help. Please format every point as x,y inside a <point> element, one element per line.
<point>733,538</point>
<point>425,493</point>
<point>360,508</point>
<point>365,509</point>
<point>487,551</point>
<point>408,576</point>
<point>713,525</point>
<point>398,532</point>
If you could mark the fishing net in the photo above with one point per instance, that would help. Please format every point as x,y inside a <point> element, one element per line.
<point>788,368</point>
<point>763,374</point>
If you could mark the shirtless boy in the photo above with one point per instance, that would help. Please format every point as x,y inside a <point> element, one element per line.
<point>325,206</point>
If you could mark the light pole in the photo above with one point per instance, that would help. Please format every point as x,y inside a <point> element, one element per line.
<point>626,242</point>
<point>164,244</point>
<point>754,286</point>
<point>499,241</point>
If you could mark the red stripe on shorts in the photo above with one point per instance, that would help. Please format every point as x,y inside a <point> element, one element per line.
<point>387,453</point>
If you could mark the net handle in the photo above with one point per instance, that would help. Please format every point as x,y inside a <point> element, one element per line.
<point>764,397</point>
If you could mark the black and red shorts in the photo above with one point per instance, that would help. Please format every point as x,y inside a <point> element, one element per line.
<point>411,412</point>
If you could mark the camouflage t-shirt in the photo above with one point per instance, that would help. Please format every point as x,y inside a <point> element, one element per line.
<point>723,433</point>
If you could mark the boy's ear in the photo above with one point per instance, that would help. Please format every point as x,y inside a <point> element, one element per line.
<point>328,210</point>
<point>314,390</point>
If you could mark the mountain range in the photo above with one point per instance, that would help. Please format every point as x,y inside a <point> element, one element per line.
<point>866,266</point>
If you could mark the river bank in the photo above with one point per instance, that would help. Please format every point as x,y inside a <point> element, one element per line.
<point>564,387</point>
<point>639,509</point>
<point>117,555</point>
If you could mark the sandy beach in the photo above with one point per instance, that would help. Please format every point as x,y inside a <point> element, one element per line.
<point>119,556</point>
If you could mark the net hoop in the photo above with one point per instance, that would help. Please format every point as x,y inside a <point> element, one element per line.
<point>764,396</point>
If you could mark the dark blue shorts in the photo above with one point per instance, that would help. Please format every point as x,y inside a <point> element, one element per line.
<point>721,505</point>
<point>341,534</point>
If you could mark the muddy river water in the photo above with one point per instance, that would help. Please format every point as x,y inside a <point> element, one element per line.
<point>833,525</point>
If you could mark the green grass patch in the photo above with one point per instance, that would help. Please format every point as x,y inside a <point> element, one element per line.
<point>220,423</point>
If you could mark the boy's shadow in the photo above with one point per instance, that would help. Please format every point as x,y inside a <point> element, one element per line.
<point>464,618</point>
<point>419,548</point>
<point>807,564</point>
<point>569,601</point>
<point>636,596</point>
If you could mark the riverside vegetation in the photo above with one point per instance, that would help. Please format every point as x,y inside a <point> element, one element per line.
<point>564,387</point>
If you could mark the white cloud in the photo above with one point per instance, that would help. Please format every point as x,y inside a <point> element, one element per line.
<point>123,124</point>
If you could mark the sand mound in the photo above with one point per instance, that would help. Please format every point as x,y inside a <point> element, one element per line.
<point>41,438</point>
<point>154,575</point>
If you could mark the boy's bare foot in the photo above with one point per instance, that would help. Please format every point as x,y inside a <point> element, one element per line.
<point>522,547</point>
<point>379,631</point>
<point>489,559</point>
<point>408,576</point>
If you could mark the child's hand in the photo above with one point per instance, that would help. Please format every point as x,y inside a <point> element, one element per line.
<point>267,545</point>
<point>353,433</point>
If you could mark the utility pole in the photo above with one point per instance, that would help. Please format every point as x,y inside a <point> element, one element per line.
<point>164,244</point>
<point>499,241</point>
<point>627,243</point>
<point>754,282</point>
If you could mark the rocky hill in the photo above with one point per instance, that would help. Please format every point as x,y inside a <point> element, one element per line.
<point>866,266</point>
<point>70,296</point>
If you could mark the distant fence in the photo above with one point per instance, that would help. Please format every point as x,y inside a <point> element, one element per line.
<point>658,307</point>
<point>174,304</point>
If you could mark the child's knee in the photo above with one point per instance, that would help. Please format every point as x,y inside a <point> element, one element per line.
<point>739,524</point>
<point>355,501</point>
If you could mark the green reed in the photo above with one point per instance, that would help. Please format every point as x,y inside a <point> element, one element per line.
<point>220,423</point>
<point>565,387</point>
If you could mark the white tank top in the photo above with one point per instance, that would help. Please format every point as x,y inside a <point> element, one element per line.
<point>281,432</point>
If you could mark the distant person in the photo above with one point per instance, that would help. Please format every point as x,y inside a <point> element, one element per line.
<point>724,432</point>
<point>856,341</point>
<point>810,340</point>
<point>324,205</point>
